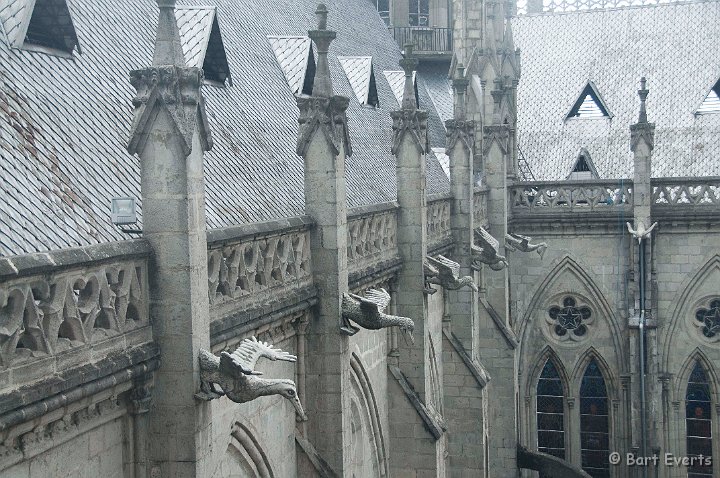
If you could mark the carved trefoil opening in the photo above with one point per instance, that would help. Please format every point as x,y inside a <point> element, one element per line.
<point>41,25</point>
<point>570,320</point>
<point>589,105</point>
<point>361,76</point>
<point>583,167</point>
<point>297,61</point>
<point>202,42</point>
<point>396,80</point>
<point>708,319</point>
<point>711,103</point>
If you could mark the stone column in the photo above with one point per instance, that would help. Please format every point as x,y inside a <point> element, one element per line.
<point>642,138</point>
<point>413,448</point>
<point>323,143</point>
<point>462,303</point>
<point>169,134</point>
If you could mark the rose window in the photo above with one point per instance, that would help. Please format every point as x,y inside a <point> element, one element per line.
<point>570,320</point>
<point>709,319</point>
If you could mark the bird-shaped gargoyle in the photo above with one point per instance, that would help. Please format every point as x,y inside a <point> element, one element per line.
<point>367,312</point>
<point>486,251</point>
<point>236,375</point>
<point>444,272</point>
<point>641,233</point>
<point>516,242</point>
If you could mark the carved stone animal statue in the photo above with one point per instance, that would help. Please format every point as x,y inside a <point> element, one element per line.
<point>448,274</point>
<point>521,243</point>
<point>486,251</point>
<point>368,313</point>
<point>641,233</point>
<point>236,375</point>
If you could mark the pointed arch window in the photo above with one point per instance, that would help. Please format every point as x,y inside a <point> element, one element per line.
<point>594,423</point>
<point>550,412</point>
<point>698,421</point>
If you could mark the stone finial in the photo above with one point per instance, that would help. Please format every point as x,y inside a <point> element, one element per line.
<point>459,129</point>
<point>643,94</point>
<point>409,64</point>
<point>460,84</point>
<point>168,49</point>
<point>322,37</point>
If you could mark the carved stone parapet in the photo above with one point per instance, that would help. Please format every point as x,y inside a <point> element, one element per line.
<point>462,131</point>
<point>496,134</point>
<point>326,115</point>
<point>177,90</point>
<point>409,122</point>
<point>438,221</point>
<point>372,239</point>
<point>686,192</point>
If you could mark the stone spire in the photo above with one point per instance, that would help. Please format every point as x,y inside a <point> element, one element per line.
<point>408,119</point>
<point>643,94</point>
<point>168,49</point>
<point>409,64</point>
<point>322,37</point>
<point>642,130</point>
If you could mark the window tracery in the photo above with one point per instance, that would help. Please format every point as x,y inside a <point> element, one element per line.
<point>570,320</point>
<point>550,412</point>
<point>708,320</point>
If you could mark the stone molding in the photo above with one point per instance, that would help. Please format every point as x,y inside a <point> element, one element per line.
<point>177,90</point>
<point>644,132</point>
<point>372,238</point>
<point>327,116</point>
<point>496,134</point>
<point>476,369</point>
<point>432,421</point>
<point>411,122</point>
<point>459,131</point>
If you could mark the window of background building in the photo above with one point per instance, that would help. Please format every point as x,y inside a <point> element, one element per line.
<point>419,13</point>
<point>550,412</point>
<point>698,421</point>
<point>383,8</point>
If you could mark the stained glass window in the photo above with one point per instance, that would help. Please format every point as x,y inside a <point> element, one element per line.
<point>569,318</point>
<point>699,423</point>
<point>594,426</point>
<point>419,13</point>
<point>710,319</point>
<point>550,412</point>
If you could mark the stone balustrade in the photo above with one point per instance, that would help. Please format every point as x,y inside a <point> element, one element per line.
<point>69,307</point>
<point>372,237</point>
<point>439,232</point>
<point>252,265</point>
<point>679,192</point>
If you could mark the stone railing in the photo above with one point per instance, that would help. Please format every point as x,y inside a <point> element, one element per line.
<point>438,221</point>
<point>372,237</point>
<point>555,197</point>
<point>65,308</point>
<point>254,265</point>
<point>681,192</point>
<point>480,207</point>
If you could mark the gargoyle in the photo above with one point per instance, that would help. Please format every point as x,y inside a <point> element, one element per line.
<point>367,312</point>
<point>236,375</point>
<point>486,251</point>
<point>516,242</point>
<point>641,233</point>
<point>448,274</point>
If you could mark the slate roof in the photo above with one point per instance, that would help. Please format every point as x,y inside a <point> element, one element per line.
<point>195,24</point>
<point>292,55</point>
<point>675,46</point>
<point>64,123</point>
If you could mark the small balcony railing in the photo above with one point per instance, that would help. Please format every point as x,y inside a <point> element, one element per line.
<point>425,39</point>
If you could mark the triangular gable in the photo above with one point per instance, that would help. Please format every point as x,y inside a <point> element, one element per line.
<point>583,167</point>
<point>711,103</point>
<point>39,23</point>
<point>396,80</point>
<point>202,42</point>
<point>589,104</point>
<point>296,59</point>
<point>360,75</point>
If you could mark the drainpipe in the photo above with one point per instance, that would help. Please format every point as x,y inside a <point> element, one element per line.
<point>643,417</point>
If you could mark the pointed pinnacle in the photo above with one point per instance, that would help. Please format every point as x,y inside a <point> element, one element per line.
<point>168,49</point>
<point>643,94</point>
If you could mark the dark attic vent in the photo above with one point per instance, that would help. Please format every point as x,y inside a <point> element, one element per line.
<point>373,99</point>
<point>583,167</point>
<point>711,104</point>
<point>202,42</point>
<point>51,26</point>
<point>215,66</point>
<point>309,79</point>
<point>589,105</point>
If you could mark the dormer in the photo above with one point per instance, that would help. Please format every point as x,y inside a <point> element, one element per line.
<point>40,25</point>
<point>583,168</point>
<point>396,80</point>
<point>711,103</point>
<point>589,105</point>
<point>295,56</point>
<point>202,43</point>
<point>361,76</point>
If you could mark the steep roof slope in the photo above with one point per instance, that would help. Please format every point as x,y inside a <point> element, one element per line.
<point>675,46</point>
<point>64,122</point>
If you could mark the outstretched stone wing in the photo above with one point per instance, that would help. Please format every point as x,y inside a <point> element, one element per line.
<point>249,352</point>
